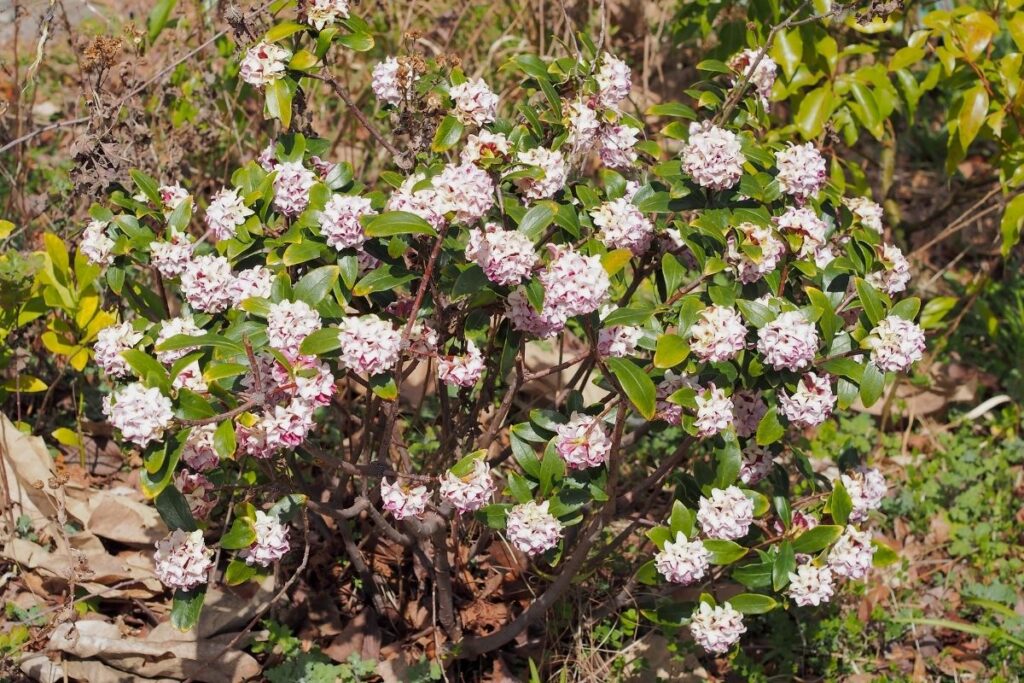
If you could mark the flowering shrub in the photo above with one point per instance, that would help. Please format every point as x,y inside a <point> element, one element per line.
<point>722,286</point>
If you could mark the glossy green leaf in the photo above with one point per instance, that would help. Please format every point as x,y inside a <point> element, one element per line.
<point>637,385</point>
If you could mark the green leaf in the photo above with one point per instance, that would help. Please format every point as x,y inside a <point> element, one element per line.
<point>724,552</point>
<point>303,60</point>
<point>788,51</point>
<point>673,109</point>
<point>360,42</point>
<point>536,221</point>
<point>870,301</point>
<point>447,135</point>
<point>398,223</point>
<point>1010,225</point>
<point>238,572</point>
<point>714,66</point>
<point>300,252</point>
<point>381,279</point>
<point>283,30</point>
<point>320,342</point>
<point>884,555</point>
<point>785,562</point>
<point>769,429</point>
<point>149,187</point>
<point>728,461</point>
<point>637,385</point>
<point>186,607</point>
<point>682,519</point>
<point>384,386</point>
<point>756,313</point>
<point>241,535</point>
<point>972,115</point>
<point>552,469</point>
<point>754,575</point>
<point>872,384</point>
<point>224,439</point>
<point>840,503</point>
<point>660,535</point>
<point>158,17</point>
<point>670,351</point>
<point>315,285</point>
<point>279,94</point>
<point>494,516</point>
<point>174,510</point>
<point>814,111</point>
<point>150,371</point>
<point>519,487</point>
<point>935,311</point>
<point>752,603</point>
<point>818,538</point>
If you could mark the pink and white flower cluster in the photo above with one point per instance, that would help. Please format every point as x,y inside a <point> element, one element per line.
<point>802,171</point>
<point>583,442</point>
<point>867,488</point>
<point>622,226</point>
<point>682,561</point>
<point>403,501</point>
<point>531,528</point>
<point>110,342</point>
<point>718,335</point>
<point>760,72</point>
<point>727,514</point>
<point>271,542</point>
<point>470,492</point>
<point>141,414</point>
<point>895,344</point>
<point>716,629</point>
<point>506,256</point>
<point>811,402</point>
<point>182,560</point>
<point>369,344</point>
<point>713,156</point>
<point>789,342</point>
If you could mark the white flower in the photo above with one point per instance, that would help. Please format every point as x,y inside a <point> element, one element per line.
<point>804,222</point>
<point>618,341</point>
<point>622,226</point>
<point>868,212</point>
<point>226,212</point>
<point>288,324</point>
<point>682,561</point>
<point>761,77</point>
<point>582,442</point>
<point>727,514</point>
<point>271,542</point>
<point>392,81</point>
<point>485,145</point>
<point>191,377</point>
<point>475,104</point>
<point>747,409</point>
<point>339,221</point>
<point>555,173</point>
<point>198,492</point>
<point>319,13</point>
<point>291,187</point>
<point>471,492</point>
<point>543,324</point>
<point>802,171</point>
<point>895,344</point>
<point>506,256</point>
<point>713,156</point>
<point>852,554</point>
<point>716,629</point>
<point>613,80</point>
<point>532,529</point>
<point>810,585</point>
<point>867,488</point>
<point>583,124</point>
<point>171,196</point>
<point>96,245</point>
<point>573,283</point>
<point>718,335</point>
<point>895,275</point>
<point>110,342</point>
<point>423,202</point>
<point>714,411</point>
<point>171,258</point>
<point>199,452</point>
<point>751,268</point>
<point>287,426</point>
<point>812,401</point>
<point>141,414</point>
<point>369,345</point>
<point>789,342</point>
<point>251,283</point>
<point>264,63</point>
<point>403,502</point>
<point>182,560</point>
<point>466,190</point>
<point>206,282</point>
<point>617,146</point>
<point>462,370</point>
<point>757,463</point>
